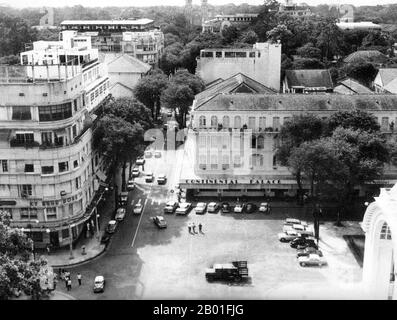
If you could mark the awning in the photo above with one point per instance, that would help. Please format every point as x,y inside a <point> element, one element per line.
<point>101,175</point>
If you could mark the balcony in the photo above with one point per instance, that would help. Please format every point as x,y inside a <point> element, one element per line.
<point>23,143</point>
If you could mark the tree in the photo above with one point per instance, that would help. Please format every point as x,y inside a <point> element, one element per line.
<point>266,19</point>
<point>309,51</point>
<point>119,140</point>
<point>362,71</point>
<point>230,34</point>
<point>299,129</point>
<point>17,272</point>
<point>329,38</point>
<point>249,37</point>
<point>353,119</point>
<point>148,91</point>
<point>10,60</point>
<point>306,63</point>
<point>178,97</point>
<point>170,60</point>
<point>194,82</point>
<point>280,33</point>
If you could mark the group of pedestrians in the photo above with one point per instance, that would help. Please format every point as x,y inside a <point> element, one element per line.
<point>192,228</point>
<point>65,275</point>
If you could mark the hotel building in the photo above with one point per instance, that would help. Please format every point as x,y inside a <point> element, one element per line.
<point>49,173</point>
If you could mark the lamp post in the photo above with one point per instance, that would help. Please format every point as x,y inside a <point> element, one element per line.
<point>97,223</point>
<point>71,241</point>
<point>31,237</point>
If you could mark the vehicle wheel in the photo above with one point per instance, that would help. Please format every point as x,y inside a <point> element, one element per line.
<point>282,240</point>
<point>303,264</point>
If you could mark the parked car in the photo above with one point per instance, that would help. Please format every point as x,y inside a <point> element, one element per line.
<point>292,221</point>
<point>138,208</point>
<point>105,238</point>
<point>307,251</point>
<point>130,185</point>
<point>123,198</point>
<point>160,222</point>
<point>99,284</point>
<point>302,242</point>
<point>171,206</point>
<point>311,260</point>
<point>135,172</point>
<point>299,228</point>
<point>250,208</point>
<point>200,208</point>
<point>288,236</point>
<point>120,214</point>
<point>264,207</point>
<point>169,113</point>
<point>239,208</point>
<point>184,208</point>
<point>226,208</point>
<point>140,161</point>
<point>148,153</point>
<point>162,179</point>
<point>213,207</point>
<point>111,227</point>
<point>149,177</point>
<point>157,154</point>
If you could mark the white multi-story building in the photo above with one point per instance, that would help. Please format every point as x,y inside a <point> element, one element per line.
<point>49,173</point>
<point>262,63</point>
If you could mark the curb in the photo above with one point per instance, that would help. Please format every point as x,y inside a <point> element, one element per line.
<point>69,297</point>
<point>81,262</point>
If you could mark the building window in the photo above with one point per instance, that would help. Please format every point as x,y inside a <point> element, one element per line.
<point>74,131</point>
<point>21,113</point>
<point>262,122</point>
<point>75,163</point>
<point>46,138</point>
<point>29,167</point>
<point>214,121</point>
<point>260,142</point>
<point>237,122</point>
<point>4,165</point>
<point>51,213</point>
<point>202,141</point>
<point>47,169</point>
<point>218,54</point>
<point>252,54</point>
<point>22,138</point>
<point>55,112</point>
<point>63,166</point>
<point>37,236</point>
<point>65,233</point>
<point>276,123</point>
<point>236,161</point>
<point>226,121</point>
<point>225,162</point>
<point>78,182</point>
<point>26,190</point>
<point>75,104</point>
<point>214,162</point>
<point>202,121</point>
<point>385,123</point>
<point>251,123</point>
<point>385,232</point>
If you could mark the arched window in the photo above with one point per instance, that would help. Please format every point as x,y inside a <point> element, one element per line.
<point>202,121</point>
<point>237,122</point>
<point>257,160</point>
<point>385,232</point>
<point>260,144</point>
<point>226,121</point>
<point>214,121</point>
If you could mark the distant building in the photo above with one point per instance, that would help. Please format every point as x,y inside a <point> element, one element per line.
<point>346,13</point>
<point>197,16</point>
<point>262,63</point>
<point>220,22</point>
<point>50,176</point>
<point>386,81</point>
<point>124,73</point>
<point>351,86</point>
<point>362,25</point>
<point>296,10</point>
<point>138,38</point>
<point>307,81</point>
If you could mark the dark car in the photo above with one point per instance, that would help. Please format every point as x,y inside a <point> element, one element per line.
<point>226,208</point>
<point>250,208</point>
<point>307,251</point>
<point>105,238</point>
<point>301,243</point>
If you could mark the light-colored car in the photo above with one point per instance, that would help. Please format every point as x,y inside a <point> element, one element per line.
<point>99,284</point>
<point>111,227</point>
<point>149,177</point>
<point>120,214</point>
<point>157,154</point>
<point>264,207</point>
<point>135,172</point>
<point>200,208</point>
<point>311,260</point>
<point>161,179</point>
<point>305,231</point>
<point>148,154</point>
<point>184,208</point>
<point>171,206</point>
<point>138,208</point>
<point>130,185</point>
<point>287,236</point>
<point>239,208</point>
<point>213,207</point>
<point>123,198</point>
<point>140,161</point>
<point>160,222</point>
<point>292,221</point>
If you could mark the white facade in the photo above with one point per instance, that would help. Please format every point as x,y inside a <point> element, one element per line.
<point>261,63</point>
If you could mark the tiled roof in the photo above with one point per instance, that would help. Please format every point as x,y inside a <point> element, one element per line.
<point>237,83</point>
<point>299,102</point>
<point>309,78</point>
<point>387,75</point>
<point>351,86</point>
<point>124,63</point>
<point>367,55</point>
<point>391,86</point>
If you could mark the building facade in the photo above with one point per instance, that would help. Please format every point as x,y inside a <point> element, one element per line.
<point>49,172</point>
<point>307,81</point>
<point>222,21</point>
<point>262,63</point>
<point>296,10</point>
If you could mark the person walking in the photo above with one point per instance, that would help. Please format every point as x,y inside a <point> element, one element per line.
<point>194,227</point>
<point>48,249</point>
<point>69,284</point>
<point>189,226</point>
<point>79,278</point>
<point>200,227</point>
<point>55,283</point>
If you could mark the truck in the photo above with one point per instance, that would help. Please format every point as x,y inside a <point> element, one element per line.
<point>234,271</point>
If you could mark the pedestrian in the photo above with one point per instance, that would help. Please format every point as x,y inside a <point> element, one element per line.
<point>200,227</point>
<point>69,284</point>
<point>60,273</point>
<point>194,227</point>
<point>189,226</point>
<point>92,227</point>
<point>55,283</point>
<point>79,278</point>
<point>48,250</point>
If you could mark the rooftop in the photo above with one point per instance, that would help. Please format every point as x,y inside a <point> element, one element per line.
<point>387,75</point>
<point>107,22</point>
<point>309,78</point>
<point>351,86</point>
<point>367,55</point>
<point>124,63</point>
